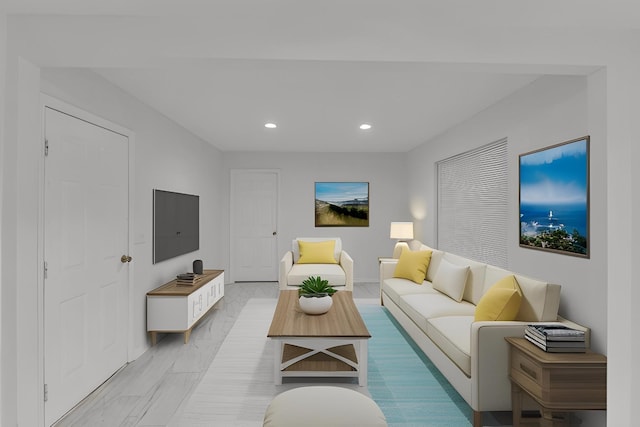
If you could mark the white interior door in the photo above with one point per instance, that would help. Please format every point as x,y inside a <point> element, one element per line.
<point>85,236</point>
<point>254,202</point>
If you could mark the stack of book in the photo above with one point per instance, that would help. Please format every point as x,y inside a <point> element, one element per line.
<point>556,338</point>
<point>187,279</point>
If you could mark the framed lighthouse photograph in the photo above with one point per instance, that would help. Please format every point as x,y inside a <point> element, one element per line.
<point>554,198</point>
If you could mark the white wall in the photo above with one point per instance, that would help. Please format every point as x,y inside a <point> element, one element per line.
<point>19,247</point>
<point>387,177</point>
<point>166,157</point>
<point>3,67</point>
<point>623,233</point>
<point>549,111</point>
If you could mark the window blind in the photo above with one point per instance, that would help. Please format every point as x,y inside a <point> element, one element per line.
<point>472,210</point>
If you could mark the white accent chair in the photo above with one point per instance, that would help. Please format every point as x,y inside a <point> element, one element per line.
<point>340,275</point>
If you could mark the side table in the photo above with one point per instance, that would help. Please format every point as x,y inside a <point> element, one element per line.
<point>558,382</point>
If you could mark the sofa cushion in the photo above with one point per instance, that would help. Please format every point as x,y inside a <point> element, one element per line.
<point>501,301</point>
<point>436,256</point>
<point>412,265</point>
<point>317,252</point>
<point>452,334</point>
<point>396,288</point>
<point>475,286</point>
<point>424,306</point>
<point>494,274</point>
<point>540,300</point>
<point>331,272</point>
<point>451,279</point>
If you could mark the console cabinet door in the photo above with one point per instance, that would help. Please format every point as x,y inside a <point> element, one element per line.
<point>167,313</point>
<point>195,305</point>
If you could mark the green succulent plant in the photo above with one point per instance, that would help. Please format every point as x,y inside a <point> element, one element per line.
<point>315,287</point>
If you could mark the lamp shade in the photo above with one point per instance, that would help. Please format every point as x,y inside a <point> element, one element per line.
<point>401,230</point>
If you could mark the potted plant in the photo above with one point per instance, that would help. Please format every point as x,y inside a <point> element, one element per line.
<point>315,295</point>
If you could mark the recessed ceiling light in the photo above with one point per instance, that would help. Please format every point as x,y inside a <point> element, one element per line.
<point>270,125</point>
<point>365,126</point>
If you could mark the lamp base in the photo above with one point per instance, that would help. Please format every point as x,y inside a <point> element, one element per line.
<point>397,250</point>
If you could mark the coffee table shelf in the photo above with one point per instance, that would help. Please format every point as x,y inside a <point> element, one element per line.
<point>296,358</point>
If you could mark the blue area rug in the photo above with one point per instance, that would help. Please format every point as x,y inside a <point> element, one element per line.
<point>402,380</point>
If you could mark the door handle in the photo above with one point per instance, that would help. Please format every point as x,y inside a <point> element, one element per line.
<point>125,259</point>
<point>274,233</point>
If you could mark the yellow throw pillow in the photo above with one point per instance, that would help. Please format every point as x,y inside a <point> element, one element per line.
<point>501,302</point>
<point>317,252</point>
<point>413,265</point>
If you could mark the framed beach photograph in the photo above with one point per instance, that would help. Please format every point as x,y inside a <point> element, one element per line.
<point>342,204</point>
<point>554,198</point>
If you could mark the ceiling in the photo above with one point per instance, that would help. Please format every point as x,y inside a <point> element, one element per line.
<point>317,105</point>
<point>222,69</point>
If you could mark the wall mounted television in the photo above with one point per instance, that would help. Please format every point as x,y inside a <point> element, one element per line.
<point>176,224</point>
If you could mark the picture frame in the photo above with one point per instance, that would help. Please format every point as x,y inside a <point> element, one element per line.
<point>553,198</point>
<point>341,204</point>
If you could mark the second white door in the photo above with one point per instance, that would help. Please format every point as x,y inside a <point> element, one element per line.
<point>254,202</point>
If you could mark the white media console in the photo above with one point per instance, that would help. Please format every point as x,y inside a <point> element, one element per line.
<point>177,308</point>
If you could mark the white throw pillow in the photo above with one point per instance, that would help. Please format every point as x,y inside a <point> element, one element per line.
<point>450,279</point>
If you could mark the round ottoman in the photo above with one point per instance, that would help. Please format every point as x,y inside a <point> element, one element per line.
<point>323,406</point>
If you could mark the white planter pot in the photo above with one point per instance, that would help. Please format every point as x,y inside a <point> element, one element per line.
<point>315,305</point>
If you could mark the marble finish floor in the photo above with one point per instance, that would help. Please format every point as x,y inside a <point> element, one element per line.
<point>151,390</point>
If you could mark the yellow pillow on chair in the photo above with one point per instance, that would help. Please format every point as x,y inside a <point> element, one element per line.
<point>317,252</point>
<point>413,265</point>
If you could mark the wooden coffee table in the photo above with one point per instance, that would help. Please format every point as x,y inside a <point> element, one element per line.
<point>333,344</point>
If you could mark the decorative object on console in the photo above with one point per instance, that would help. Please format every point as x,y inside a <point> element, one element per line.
<point>197,266</point>
<point>187,279</point>
<point>342,204</point>
<point>315,295</point>
<point>402,232</point>
<point>554,198</point>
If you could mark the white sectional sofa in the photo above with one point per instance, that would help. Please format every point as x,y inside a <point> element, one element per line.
<point>472,355</point>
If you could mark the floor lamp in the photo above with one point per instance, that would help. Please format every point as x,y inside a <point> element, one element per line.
<point>402,232</point>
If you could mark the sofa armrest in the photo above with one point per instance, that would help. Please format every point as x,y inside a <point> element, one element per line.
<point>387,268</point>
<point>587,331</point>
<point>490,360</point>
<point>283,269</point>
<point>346,262</point>
<point>491,387</point>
